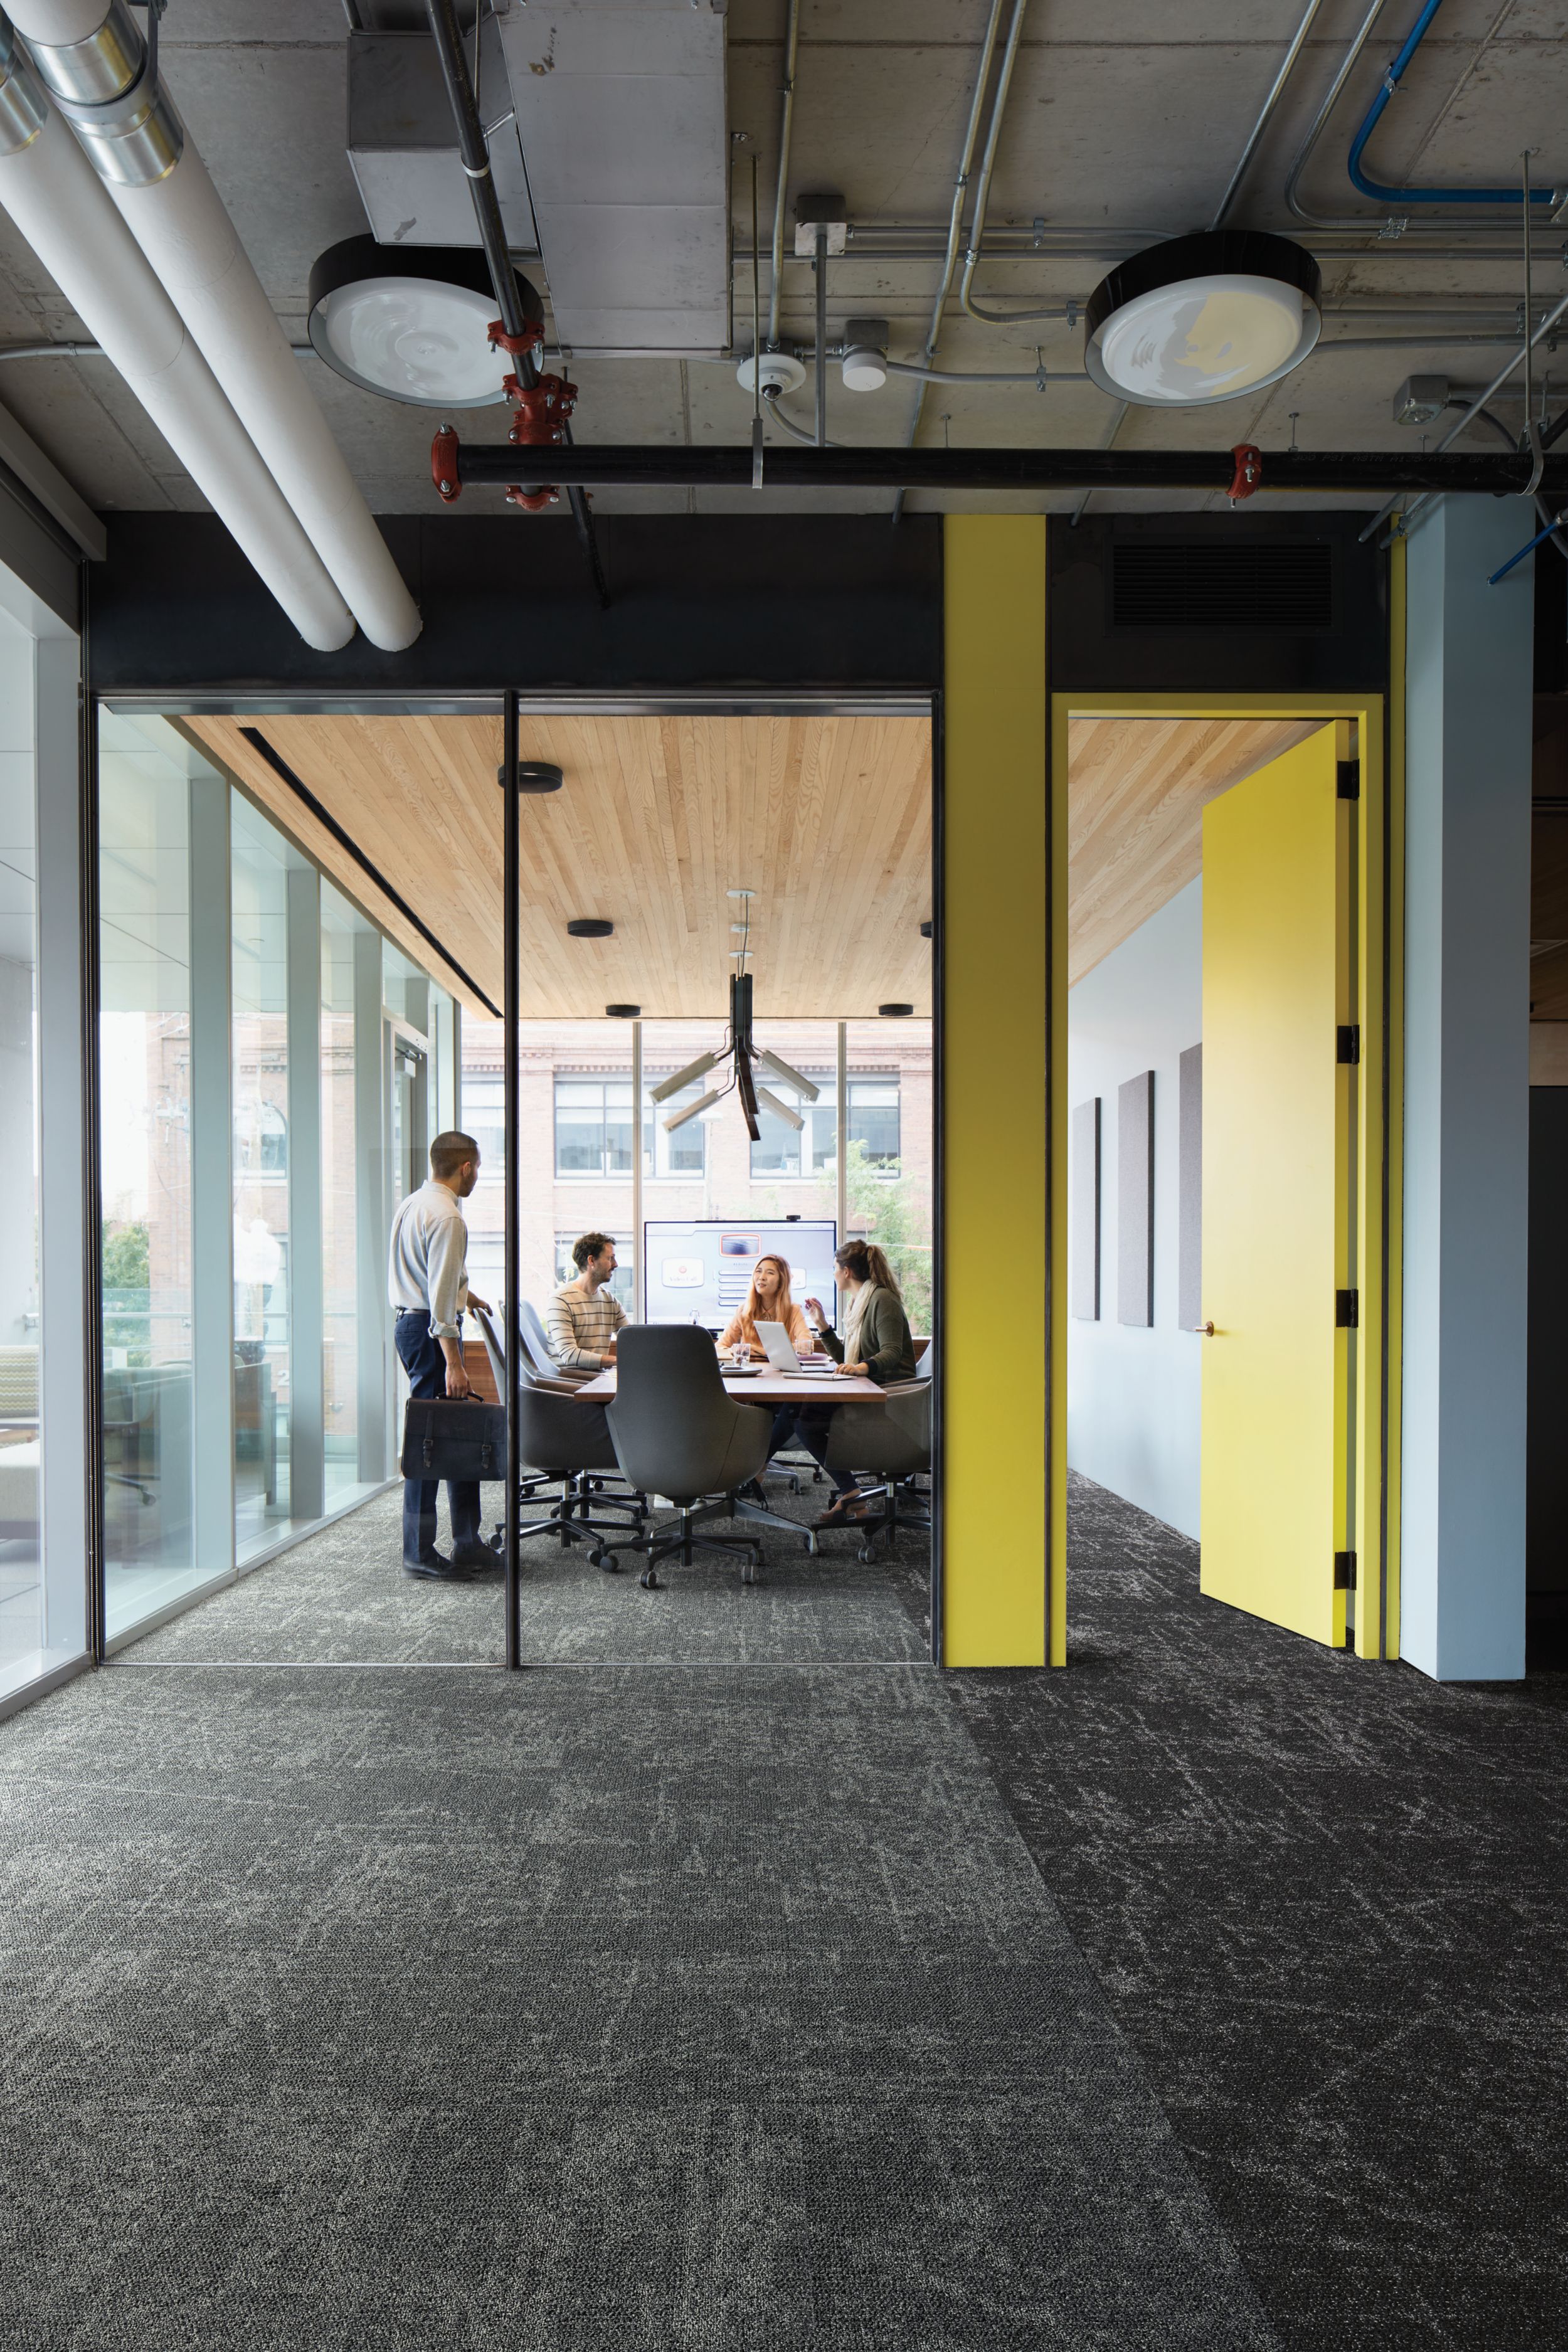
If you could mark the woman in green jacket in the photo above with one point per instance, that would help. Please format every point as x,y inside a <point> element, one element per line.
<point>876,1346</point>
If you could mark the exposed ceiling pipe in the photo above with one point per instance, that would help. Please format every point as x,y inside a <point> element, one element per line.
<point>94,62</point>
<point>1244,161</point>
<point>59,206</point>
<point>955,219</point>
<point>1352,472</point>
<point>786,140</point>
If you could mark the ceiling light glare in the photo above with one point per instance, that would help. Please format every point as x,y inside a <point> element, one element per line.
<point>780,1108</point>
<point>686,1077</point>
<point>693,1110</point>
<point>1202,319</point>
<point>410,323</point>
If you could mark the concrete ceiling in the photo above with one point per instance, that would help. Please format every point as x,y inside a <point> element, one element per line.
<point>1126,119</point>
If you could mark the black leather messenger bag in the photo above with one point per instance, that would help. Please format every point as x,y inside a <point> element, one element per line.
<point>457,1438</point>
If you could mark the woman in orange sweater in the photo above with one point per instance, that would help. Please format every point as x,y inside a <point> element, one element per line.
<point>769,1300</point>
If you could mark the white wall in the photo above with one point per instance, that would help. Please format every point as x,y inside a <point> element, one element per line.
<point>1132,1395</point>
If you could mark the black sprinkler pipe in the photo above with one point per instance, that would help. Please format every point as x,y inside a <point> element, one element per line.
<point>475,153</point>
<point>1364,473</point>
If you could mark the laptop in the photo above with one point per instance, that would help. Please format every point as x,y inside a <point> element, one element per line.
<point>781,1355</point>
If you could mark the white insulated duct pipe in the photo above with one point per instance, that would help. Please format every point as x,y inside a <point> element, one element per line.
<point>58,204</point>
<point>94,62</point>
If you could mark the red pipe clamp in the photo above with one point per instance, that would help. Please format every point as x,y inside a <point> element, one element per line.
<point>1248,461</point>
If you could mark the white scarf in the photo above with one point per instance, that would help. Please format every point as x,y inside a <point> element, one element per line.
<point>852,1323</point>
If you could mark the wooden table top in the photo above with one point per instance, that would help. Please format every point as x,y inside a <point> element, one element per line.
<point>767,1387</point>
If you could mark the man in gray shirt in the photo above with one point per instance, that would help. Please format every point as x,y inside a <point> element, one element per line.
<point>428,1284</point>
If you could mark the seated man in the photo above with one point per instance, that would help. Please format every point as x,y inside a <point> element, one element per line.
<point>583,1315</point>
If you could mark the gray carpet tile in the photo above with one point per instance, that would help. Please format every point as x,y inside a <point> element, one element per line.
<point>341,1595</point>
<point>1328,1901</point>
<point>707,2006</point>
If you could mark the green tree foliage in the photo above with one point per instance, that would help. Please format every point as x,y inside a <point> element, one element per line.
<point>126,1261</point>
<point>127,1288</point>
<point>881,1206</point>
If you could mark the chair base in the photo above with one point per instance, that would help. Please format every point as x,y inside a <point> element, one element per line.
<point>889,1517</point>
<point>574,1521</point>
<point>680,1537</point>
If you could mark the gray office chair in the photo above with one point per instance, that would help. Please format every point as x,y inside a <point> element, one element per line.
<point>890,1436</point>
<point>565,1441</point>
<point>537,1349</point>
<point>676,1432</point>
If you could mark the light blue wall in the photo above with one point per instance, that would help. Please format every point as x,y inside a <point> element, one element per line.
<point>1132,1395</point>
<point>1467,1099</point>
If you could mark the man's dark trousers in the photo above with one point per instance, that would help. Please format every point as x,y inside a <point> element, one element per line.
<point>427,1369</point>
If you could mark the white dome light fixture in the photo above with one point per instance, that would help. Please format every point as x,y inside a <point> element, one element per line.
<point>410,322</point>
<point>1202,319</point>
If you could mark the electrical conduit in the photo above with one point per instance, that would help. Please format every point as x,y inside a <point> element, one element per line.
<point>93,61</point>
<point>59,206</point>
<point>1374,116</point>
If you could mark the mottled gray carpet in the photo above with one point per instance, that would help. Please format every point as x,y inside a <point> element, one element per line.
<point>343,1596</point>
<point>1328,1901</point>
<point>702,2008</point>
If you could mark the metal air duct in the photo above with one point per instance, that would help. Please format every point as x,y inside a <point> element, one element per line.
<point>58,205</point>
<point>95,64</point>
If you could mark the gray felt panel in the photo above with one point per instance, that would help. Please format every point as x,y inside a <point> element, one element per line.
<point>1135,1200</point>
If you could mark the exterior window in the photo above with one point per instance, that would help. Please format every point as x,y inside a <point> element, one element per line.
<point>594,1127</point>
<point>874,1118</point>
<point>484,1118</point>
<point>682,1154</point>
<point>786,1151</point>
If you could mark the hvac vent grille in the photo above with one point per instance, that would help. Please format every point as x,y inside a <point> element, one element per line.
<point>1281,584</point>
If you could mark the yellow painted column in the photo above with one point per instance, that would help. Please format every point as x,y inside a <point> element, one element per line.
<point>996,1327</point>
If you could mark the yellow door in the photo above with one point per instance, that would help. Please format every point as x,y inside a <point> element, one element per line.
<point>1278,1164</point>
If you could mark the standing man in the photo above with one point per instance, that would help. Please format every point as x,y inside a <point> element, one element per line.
<point>584,1316</point>
<point>428,1284</point>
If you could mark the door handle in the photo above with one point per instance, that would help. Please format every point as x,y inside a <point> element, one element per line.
<point>1204,1330</point>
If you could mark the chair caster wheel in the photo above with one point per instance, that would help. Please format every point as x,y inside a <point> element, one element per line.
<point>649,1580</point>
<point>865,1555</point>
<point>812,1547</point>
<point>607,1561</point>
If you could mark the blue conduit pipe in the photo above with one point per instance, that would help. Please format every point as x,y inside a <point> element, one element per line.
<point>1529,544</point>
<point>1374,116</point>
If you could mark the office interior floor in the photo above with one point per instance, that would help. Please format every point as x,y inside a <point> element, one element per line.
<point>1208,1995</point>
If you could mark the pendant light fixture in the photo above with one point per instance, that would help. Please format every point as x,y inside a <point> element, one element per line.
<point>1202,319</point>
<point>412,323</point>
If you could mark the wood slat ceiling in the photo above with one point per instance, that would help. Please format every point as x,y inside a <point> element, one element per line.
<point>829,820</point>
<point>1137,789</point>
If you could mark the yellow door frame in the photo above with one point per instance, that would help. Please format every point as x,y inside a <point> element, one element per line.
<point>1380,865</point>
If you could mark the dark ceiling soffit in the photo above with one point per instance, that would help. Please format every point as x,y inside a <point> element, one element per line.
<point>724,702</point>
<point>324,817</point>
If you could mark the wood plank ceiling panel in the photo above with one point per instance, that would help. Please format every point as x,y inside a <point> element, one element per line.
<point>1137,789</point>
<point>827,819</point>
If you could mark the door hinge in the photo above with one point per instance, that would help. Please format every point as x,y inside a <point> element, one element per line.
<point>1344,1571</point>
<point>1347,1310</point>
<point>1348,778</point>
<point>1348,1042</point>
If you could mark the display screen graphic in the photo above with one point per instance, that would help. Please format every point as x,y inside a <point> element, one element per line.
<point>699,1270</point>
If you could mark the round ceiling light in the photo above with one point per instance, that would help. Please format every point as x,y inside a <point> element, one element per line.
<point>409,322</point>
<point>1202,319</point>
<point>623,1012</point>
<point>895,1012</point>
<point>589,927</point>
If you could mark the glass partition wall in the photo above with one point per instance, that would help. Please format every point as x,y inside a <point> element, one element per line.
<point>273,1068</point>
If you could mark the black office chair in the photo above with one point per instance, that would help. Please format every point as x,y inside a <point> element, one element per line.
<point>565,1441</point>
<point>676,1432</point>
<point>889,1436</point>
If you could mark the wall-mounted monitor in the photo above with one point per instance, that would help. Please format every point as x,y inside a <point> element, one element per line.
<point>698,1269</point>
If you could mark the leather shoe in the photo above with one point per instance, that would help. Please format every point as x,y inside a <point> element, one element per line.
<point>437,1568</point>
<point>476,1556</point>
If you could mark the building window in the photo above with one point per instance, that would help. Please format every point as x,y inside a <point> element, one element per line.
<point>594,1127</point>
<point>874,1118</point>
<point>623,1282</point>
<point>684,1153</point>
<point>484,1118</point>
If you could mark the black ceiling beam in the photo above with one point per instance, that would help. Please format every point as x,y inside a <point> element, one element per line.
<point>1366,473</point>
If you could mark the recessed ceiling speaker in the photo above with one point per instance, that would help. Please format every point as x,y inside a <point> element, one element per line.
<point>895,1012</point>
<point>623,1012</point>
<point>1202,319</point>
<point>409,322</point>
<point>926,929</point>
<point>589,927</point>
<point>534,776</point>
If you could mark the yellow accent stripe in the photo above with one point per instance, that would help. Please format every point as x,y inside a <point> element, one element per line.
<point>995,1053</point>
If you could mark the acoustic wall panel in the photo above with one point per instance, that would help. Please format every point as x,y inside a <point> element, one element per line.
<point>1084,1283</point>
<point>1135,1200</point>
<point>1190,1190</point>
